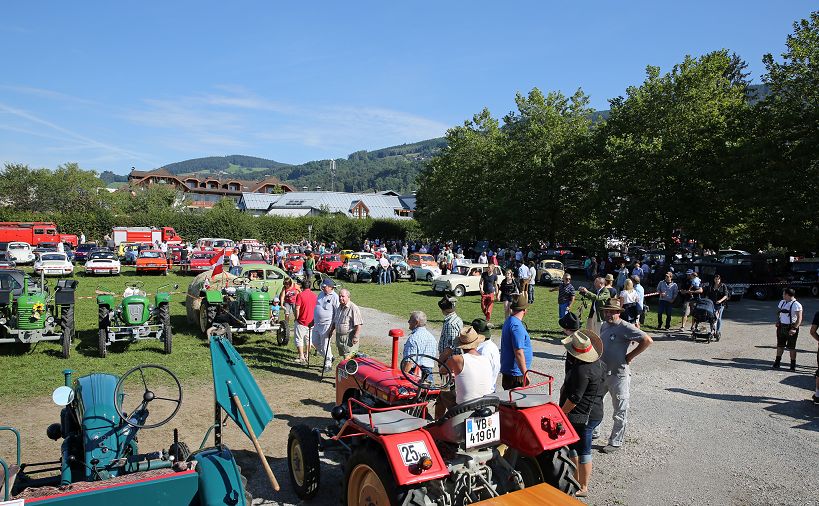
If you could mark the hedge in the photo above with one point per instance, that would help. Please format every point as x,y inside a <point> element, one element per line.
<point>229,223</point>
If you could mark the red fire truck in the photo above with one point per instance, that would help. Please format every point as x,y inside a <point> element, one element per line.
<point>145,235</point>
<point>34,233</point>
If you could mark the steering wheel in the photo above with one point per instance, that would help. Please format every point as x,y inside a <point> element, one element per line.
<point>148,396</point>
<point>241,281</point>
<point>420,382</point>
<point>135,284</point>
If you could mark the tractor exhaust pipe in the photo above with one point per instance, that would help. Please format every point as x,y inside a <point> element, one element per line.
<point>395,334</point>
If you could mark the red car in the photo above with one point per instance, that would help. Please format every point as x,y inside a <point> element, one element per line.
<point>294,262</point>
<point>201,260</point>
<point>251,257</point>
<point>152,260</point>
<point>329,263</point>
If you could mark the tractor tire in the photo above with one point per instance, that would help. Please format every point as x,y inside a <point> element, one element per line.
<point>558,470</point>
<point>412,275</point>
<point>459,291</point>
<point>207,315</point>
<point>353,277</point>
<point>182,449</point>
<point>167,333</point>
<point>104,319</point>
<point>67,324</point>
<point>247,494</point>
<point>367,480</point>
<point>282,336</point>
<point>529,470</point>
<point>303,463</point>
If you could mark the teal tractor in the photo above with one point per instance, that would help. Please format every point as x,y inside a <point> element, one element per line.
<point>101,462</point>
<point>242,307</point>
<point>30,312</point>
<point>135,318</point>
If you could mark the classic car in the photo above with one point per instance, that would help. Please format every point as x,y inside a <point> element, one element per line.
<point>251,257</point>
<point>200,261</point>
<point>21,252</point>
<point>357,270</point>
<point>466,278</point>
<point>400,267</point>
<point>345,254</point>
<point>550,272</point>
<point>329,263</point>
<point>102,262</point>
<point>5,261</point>
<point>152,260</point>
<point>83,250</point>
<point>53,263</point>
<point>421,260</point>
<point>294,262</point>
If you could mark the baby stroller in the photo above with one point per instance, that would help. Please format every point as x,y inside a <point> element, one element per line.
<point>705,319</point>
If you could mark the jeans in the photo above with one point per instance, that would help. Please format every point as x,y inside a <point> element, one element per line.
<point>618,388</point>
<point>531,293</point>
<point>562,309</point>
<point>583,448</point>
<point>664,307</point>
<point>718,313</point>
<point>384,277</point>
<point>236,270</point>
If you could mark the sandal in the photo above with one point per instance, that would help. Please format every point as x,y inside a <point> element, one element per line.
<point>582,493</point>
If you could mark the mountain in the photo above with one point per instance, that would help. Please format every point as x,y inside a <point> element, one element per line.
<point>109,177</point>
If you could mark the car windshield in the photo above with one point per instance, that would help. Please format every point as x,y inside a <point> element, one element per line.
<point>222,244</point>
<point>203,256</point>
<point>253,256</point>
<point>552,265</point>
<point>355,264</point>
<point>53,256</point>
<point>102,255</point>
<point>150,254</point>
<point>426,258</point>
<point>271,274</point>
<point>86,247</point>
<point>396,258</point>
<point>332,258</point>
<point>18,246</point>
<point>294,256</point>
<point>365,255</point>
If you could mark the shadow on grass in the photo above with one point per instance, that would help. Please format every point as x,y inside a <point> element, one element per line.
<point>797,411</point>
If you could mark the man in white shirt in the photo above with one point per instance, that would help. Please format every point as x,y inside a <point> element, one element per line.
<point>788,320</point>
<point>488,348</point>
<point>523,278</point>
<point>234,263</point>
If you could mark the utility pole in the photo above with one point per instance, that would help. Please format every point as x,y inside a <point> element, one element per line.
<point>332,175</point>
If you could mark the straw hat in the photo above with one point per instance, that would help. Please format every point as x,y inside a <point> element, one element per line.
<point>468,338</point>
<point>584,345</point>
<point>613,305</point>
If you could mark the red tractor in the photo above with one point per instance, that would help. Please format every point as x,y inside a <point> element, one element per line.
<point>394,453</point>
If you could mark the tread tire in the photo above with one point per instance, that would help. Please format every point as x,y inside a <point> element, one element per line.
<point>558,470</point>
<point>167,333</point>
<point>67,324</point>
<point>104,320</point>
<point>305,439</point>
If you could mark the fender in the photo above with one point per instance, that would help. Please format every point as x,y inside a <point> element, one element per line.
<point>162,297</point>
<point>409,446</point>
<point>220,482</point>
<point>534,430</point>
<point>212,296</point>
<point>106,300</point>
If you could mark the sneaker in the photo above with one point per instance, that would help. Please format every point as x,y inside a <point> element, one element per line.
<point>815,399</point>
<point>609,449</point>
<point>776,364</point>
<point>299,360</point>
<point>327,368</point>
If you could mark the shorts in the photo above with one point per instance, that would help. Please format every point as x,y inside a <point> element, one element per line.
<point>289,308</point>
<point>302,336</point>
<point>784,339</point>
<point>582,449</point>
<point>508,382</point>
<point>446,399</point>
<point>507,298</point>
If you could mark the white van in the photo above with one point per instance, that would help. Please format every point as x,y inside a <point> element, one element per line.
<point>21,252</point>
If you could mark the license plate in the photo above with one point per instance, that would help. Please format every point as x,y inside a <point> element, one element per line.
<point>482,430</point>
<point>411,452</point>
<point>53,271</point>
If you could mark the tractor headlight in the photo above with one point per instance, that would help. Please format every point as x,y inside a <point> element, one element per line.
<point>2,320</point>
<point>241,312</point>
<point>50,320</point>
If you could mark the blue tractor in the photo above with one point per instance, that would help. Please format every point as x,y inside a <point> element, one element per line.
<point>101,463</point>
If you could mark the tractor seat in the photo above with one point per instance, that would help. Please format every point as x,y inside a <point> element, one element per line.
<point>390,422</point>
<point>522,398</point>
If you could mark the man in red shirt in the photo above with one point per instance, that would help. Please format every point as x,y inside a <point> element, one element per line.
<point>305,305</point>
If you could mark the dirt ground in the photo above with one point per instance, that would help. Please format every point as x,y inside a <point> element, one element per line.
<point>708,424</point>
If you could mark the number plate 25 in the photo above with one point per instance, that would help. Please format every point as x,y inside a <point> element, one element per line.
<point>411,452</point>
<point>482,430</point>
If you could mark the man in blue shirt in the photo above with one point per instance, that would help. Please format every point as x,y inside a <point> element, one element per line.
<point>516,346</point>
<point>420,342</point>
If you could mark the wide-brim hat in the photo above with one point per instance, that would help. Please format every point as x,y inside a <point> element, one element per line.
<point>570,321</point>
<point>613,305</point>
<point>609,277</point>
<point>520,303</point>
<point>584,345</point>
<point>468,339</point>
<point>482,327</point>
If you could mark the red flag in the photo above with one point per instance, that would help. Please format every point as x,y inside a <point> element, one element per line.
<point>218,261</point>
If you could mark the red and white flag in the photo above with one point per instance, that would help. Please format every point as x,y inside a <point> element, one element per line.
<point>219,262</point>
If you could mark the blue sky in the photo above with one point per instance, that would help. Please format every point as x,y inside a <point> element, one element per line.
<point>111,85</point>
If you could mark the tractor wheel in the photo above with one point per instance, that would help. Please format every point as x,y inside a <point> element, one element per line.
<point>412,275</point>
<point>67,324</point>
<point>529,470</point>
<point>179,451</point>
<point>248,495</point>
<point>459,291</point>
<point>104,321</point>
<point>167,333</point>
<point>303,461</point>
<point>353,277</point>
<point>367,480</point>
<point>558,470</point>
<point>207,314</point>
<point>282,337</point>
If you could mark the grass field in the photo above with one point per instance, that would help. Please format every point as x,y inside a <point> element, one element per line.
<point>38,370</point>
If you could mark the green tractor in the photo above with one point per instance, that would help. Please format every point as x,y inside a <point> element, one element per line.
<point>30,313</point>
<point>102,460</point>
<point>134,318</point>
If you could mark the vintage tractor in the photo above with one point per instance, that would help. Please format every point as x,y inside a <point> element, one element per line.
<point>241,306</point>
<point>395,454</point>
<point>100,462</point>
<point>134,318</point>
<point>30,313</point>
